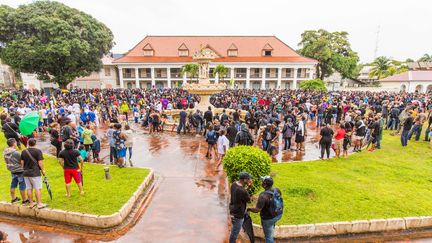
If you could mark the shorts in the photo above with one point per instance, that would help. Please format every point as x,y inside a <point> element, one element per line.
<point>72,173</point>
<point>121,153</point>
<point>33,183</point>
<point>358,137</point>
<point>18,179</point>
<point>338,144</point>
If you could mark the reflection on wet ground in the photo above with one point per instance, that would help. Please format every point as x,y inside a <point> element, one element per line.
<point>189,205</point>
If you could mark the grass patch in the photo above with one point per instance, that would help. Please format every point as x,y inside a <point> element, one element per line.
<point>392,182</point>
<point>102,197</point>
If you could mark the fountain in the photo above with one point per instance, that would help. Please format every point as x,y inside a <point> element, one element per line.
<point>204,88</point>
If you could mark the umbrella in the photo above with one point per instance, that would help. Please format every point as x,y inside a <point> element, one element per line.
<point>248,228</point>
<point>29,123</point>
<point>48,187</point>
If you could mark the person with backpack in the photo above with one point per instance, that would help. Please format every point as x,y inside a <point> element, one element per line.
<point>12,158</point>
<point>211,138</point>
<point>270,206</point>
<point>244,137</point>
<point>11,130</point>
<point>288,132</point>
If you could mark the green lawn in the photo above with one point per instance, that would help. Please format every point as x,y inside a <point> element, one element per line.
<point>391,182</point>
<point>102,197</point>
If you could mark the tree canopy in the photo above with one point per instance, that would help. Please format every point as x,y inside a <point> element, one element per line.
<point>426,58</point>
<point>332,50</point>
<point>221,70</point>
<point>313,84</point>
<point>190,69</point>
<point>56,42</point>
<point>383,67</point>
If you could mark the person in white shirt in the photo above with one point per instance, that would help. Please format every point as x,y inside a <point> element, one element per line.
<point>222,146</point>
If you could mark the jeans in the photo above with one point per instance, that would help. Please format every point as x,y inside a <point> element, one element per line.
<point>268,226</point>
<point>319,120</point>
<point>130,152</point>
<point>417,131</point>
<point>18,179</point>
<point>113,154</point>
<point>287,143</point>
<point>236,227</point>
<point>378,144</point>
<point>182,125</point>
<point>198,129</point>
<point>404,137</point>
<point>325,148</point>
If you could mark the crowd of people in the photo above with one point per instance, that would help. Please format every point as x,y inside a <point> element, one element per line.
<point>273,120</point>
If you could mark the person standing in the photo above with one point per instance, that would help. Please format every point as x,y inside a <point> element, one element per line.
<point>326,140</point>
<point>231,133</point>
<point>12,159</point>
<point>32,162</point>
<point>407,125</point>
<point>208,116</point>
<point>244,137</point>
<point>111,142</point>
<point>120,146</point>
<point>287,133</point>
<point>56,139</point>
<point>211,138</point>
<point>182,122</point>
<point>239,199</point>
<point>129,142</point>
<point>68,159</point>
<point>270,207</point>
<point>223,145</point>
<point>339,139</point>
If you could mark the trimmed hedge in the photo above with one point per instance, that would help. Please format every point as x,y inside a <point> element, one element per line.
<point>249,159</point>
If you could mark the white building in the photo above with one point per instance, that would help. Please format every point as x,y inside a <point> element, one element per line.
<point>364,75</point>
<point>257,62</point>
<point>410,81</point>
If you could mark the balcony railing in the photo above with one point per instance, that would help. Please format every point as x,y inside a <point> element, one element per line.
<point>128,75</point>
<point>145,75</point>
<point>288,76</point>
<point>240,75</point>
<point>176,75</point>
<point>163,75</point>
<point>255,75</point>
<point>271,75</point>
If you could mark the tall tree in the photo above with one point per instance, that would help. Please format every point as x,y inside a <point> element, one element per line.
<point>332,50</point>
<point>56,42</point>
<point>190,69</point>
<point>221,70</point>
<point>426,58</point>
<point>380,66</point>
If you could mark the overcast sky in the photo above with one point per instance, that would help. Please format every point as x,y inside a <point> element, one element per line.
<point>405,26</point>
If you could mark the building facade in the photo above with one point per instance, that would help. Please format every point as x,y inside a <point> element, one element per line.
<point>410,81</point>
<point>254,62</point>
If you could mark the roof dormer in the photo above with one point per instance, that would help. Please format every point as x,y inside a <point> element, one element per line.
<point>183,51</point>
<point>232,50</point>
<point>148,50</point>
<point>267,50</point>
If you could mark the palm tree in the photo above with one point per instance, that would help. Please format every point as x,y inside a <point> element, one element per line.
<point>380,67</point>
<point>426,58</point>
<point>191,69</point>
<point>221,70</point>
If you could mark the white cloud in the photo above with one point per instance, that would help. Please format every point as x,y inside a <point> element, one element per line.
<point>406,31</point>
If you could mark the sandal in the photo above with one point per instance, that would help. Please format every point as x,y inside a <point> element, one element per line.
<point>32,206</point>
<point>43,206</point>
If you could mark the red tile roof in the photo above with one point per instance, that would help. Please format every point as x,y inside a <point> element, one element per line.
<point>410,76</point>
<point>249,49</point>
<point>158,59</point>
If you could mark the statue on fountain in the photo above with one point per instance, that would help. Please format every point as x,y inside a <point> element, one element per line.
<point>203,57</point>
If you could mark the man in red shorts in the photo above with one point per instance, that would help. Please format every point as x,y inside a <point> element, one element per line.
<point>69,158</point>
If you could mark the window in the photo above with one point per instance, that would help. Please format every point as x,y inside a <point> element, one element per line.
<point>183,53</point>
<point>107,71</point>
<point>232,53</point>
<point>148,53</point>
<point>267,53</point>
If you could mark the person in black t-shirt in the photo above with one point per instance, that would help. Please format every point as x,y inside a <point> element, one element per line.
<point>239,198</point>
<point>406,128</point>
<point>32,162</point>
<point>69,158</point>
<point>325,142</point>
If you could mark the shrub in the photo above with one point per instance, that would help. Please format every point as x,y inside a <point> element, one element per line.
<point>249,159</point>
<point>313,85</point>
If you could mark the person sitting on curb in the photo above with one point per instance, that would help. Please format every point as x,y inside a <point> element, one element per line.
<point>12,158</point>
<point>270,207</point>
<point>68,159</point>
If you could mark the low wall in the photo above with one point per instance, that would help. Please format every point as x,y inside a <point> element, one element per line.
<point>82,219</point>
<point>348,227</point>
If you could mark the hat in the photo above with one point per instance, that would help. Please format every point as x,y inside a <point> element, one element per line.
<point>267,180</point>
<point>245,175</point>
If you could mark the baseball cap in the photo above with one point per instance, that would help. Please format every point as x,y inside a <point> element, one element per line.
<point>267,180</point>
<point>245,175</point>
